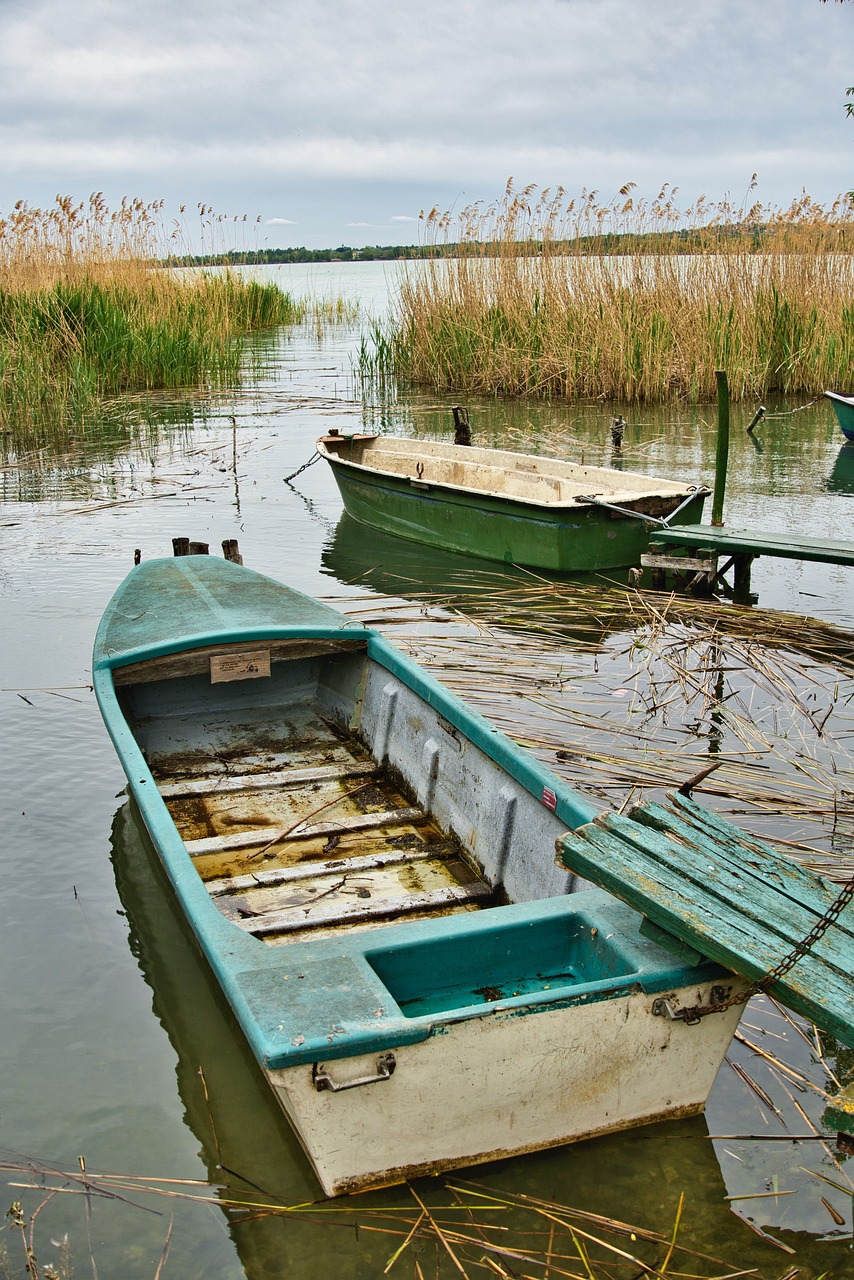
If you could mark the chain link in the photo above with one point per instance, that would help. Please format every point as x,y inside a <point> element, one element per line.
<point>315,457</point>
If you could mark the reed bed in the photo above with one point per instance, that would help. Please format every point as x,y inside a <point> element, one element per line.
<point>630,300</point>
<point>88,314</point>
<point>626,693</point>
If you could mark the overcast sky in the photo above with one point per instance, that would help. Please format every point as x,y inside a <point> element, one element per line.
<point>336,122</point>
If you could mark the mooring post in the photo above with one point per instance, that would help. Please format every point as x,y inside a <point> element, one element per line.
<point>181,546</point>
<point>722,454</point>
<point>462,430</point>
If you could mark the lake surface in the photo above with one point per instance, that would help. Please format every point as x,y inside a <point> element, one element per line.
<point>116,1046</point>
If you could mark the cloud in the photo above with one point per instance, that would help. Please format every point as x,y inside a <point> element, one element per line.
<point>246,107</point>
<point>402,217</point>
<point>280,222</point>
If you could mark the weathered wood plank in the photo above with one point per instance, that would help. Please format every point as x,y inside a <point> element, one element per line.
<point>268,835</point>
<point>734,892</point>
<point>811,988</point>
<point>221,783</point>
<point>812,890</point>
<point>313,870</point>
<point>746,912</point>
<point>197,661</point>
<point>751,891</point>
<point>756,542</point>
<point>315,916</point>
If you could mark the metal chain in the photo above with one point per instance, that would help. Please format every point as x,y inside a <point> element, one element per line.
<point>788,962</point>
<point>315,457</point>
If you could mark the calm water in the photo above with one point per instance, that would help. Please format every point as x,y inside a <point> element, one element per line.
<point>107,1016</point>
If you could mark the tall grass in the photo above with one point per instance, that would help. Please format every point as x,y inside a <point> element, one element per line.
<point>628,300</point>
<point>87,313</point>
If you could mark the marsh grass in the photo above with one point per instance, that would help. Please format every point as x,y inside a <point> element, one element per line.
<point>87,314</point>
<point>628,300</point>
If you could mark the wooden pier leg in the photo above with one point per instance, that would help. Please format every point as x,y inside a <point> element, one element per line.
<point>741,574</point>
<point>198,549</point>
<point>231,550</point>
<point>722,449</point>
<point>181,546</point>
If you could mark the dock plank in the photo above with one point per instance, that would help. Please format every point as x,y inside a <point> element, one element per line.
<point>754,542</point>
<point>728,896</point>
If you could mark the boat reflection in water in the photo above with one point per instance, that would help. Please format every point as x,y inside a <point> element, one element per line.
<point>841,478</point>
<point>253,1159</point>
<point>357,555</point>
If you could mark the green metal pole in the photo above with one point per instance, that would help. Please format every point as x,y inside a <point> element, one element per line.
<point>722,453</point>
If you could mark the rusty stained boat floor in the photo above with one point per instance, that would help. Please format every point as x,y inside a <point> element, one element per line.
<point>304,835</point>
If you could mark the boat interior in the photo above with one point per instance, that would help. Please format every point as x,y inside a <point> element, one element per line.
<point>328,796</point>
<point>531,479</point>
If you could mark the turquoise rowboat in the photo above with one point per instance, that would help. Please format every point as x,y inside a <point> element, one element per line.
<point>843,407</point>
<point>540,513</point>
<point>369,869</point>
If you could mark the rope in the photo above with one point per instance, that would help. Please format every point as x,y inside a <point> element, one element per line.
<point>788,413</point>
<point>315,457</point>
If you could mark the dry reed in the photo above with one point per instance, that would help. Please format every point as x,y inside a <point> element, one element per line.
<point>630,300</point>
<point>472,1227</point>
<point>628,693</point>
<point>87,313</point>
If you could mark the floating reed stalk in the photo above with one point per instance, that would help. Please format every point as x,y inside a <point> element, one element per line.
<point>625,693</point>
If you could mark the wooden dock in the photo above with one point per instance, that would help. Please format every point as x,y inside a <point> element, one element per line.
<point>698,547</point>
<point>704,884</point>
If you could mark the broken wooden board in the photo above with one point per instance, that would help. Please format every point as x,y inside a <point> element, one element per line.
<point>728,896</point>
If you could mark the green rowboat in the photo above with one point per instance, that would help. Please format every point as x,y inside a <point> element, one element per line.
<point>541,513</point>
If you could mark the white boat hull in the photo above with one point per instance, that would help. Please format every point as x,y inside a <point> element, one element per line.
<point>501,1085</point>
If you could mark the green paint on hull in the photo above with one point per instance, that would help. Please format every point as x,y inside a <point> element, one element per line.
<point>568,539</point>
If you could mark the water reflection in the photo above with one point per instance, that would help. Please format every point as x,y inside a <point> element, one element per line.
<point>841,478</point>
<point>356,554</point>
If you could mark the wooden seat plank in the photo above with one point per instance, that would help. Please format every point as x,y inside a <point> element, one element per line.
<point>317,915</point>
<point>221,783</point>
<point>688,880</point>
<point>312,870</point>
<point>301,831</point>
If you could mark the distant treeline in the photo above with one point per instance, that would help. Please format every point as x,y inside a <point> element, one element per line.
<point>344,253</point>
<point>746,238</point>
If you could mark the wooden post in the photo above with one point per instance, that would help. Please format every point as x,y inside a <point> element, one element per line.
<point>462,431</point>
<point>722,454</point>
<point>181,546</point>
<point>231,551</point>
<point>198,549</point>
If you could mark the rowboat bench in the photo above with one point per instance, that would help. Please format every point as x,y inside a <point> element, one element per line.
<point>705,885</point>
